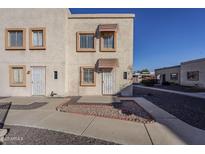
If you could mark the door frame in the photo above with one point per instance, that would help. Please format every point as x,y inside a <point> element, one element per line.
<point>32,81</point>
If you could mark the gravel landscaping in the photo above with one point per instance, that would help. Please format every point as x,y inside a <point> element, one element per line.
<point>19,135</point>
<point>126,110</point>
<point>189,109</point>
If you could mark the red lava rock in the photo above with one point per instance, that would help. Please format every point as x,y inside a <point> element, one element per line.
<point>126,110</point>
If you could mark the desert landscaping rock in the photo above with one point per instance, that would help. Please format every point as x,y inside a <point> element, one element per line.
<point>188,109</point>
<point>126,110</point>
<point>19,135</point>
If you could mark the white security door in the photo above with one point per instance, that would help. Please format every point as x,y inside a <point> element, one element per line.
<point>107,82</point>
<point>38,80</point>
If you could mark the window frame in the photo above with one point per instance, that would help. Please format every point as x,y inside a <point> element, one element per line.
<point>177,77</point>
<point>79,49</point>
<point>82,76</point>
<point>197,79</point>
<point>31,46</point>
<point>11,74</point>
<point>102,48</point>
<point>7,46</point>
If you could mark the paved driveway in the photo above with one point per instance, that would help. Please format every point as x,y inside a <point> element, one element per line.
<point>118,131</point>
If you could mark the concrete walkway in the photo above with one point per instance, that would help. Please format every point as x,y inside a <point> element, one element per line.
<point>167,130</point>
<point>197,95</point>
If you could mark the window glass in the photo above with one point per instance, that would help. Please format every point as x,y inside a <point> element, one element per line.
<point>193,76</point>
<point>37,38</point>
<point>18,75</point>
<point>108,40</point>
<point>55,74</point>
<point>86,41</point>
<point>19,39</point>
<point>16,39</point>
<point>124,75</point>
<point>174,76</point>
<point>88,75</point>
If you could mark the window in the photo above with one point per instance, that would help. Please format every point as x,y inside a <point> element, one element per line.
<point>17,75</point>
<point>125,75</point>
<point>37,38</point>
<point>174,76</point>
<point>108,41</point>
<point>15,39</point>
<point>193,76</point>
<point>87,76</point>
<point>55,75</point>
<point>86,41</point>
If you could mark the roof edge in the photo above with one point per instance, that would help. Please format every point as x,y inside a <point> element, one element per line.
<point>176,66</point>
<point>193,61</point>
<point>93,16</point>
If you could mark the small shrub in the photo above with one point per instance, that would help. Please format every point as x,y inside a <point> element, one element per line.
<point>166,83</point>
<point>149,82</point>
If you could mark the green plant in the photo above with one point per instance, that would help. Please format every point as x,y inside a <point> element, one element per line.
<point>149,82</point>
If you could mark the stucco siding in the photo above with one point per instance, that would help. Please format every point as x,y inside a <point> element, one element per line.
<point>123,53</point>
<point>53,57</point>
<point>60,54</point>
<point>167,72</point>
<point>193,66</point>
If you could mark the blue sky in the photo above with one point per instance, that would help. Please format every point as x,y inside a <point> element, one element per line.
<point>163,37</point>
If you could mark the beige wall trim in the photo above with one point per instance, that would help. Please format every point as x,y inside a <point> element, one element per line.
<point>7,30</point>
<point>31,46</point>
<point>95,16</point>
<point>11,74</point>
<point>81,77</point>
<point>78,49</point>
<point>102,49</point>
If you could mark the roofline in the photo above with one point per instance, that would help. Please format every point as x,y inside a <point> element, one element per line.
<point>193,61</point>
<point>163,68</point>
<point>94,16</point>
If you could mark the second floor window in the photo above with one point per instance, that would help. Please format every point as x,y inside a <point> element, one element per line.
<point>85,41</point>
<point>108,41</point>
<point>37,38</point>
<point>15,38</point>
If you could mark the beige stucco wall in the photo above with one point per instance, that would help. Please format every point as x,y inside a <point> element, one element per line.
<point>53,57</point>
<point>75,59</point>
<point>60,54</point>
<point>193,66</point>
<point>167,72</point>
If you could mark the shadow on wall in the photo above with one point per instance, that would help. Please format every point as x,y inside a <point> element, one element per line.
<point>126,91</point>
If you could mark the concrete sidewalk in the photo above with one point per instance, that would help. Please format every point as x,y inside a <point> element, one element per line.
<point>197,95</point>
<point>118,131</point>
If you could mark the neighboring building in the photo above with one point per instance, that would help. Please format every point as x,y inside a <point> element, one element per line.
<point>168,74</point>
<point>45,50</point>
<point>189,73</point>
<point>139,77</point>
<point>193,73</point>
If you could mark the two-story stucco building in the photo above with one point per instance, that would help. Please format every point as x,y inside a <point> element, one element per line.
<point>52,50</point>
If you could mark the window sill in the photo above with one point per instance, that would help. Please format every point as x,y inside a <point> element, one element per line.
<point>17,85</point>
<point>37,48</point>
<point>15,48</point>
<point>86,50</point>
<point>107,50</point>
<point>87,85</point>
